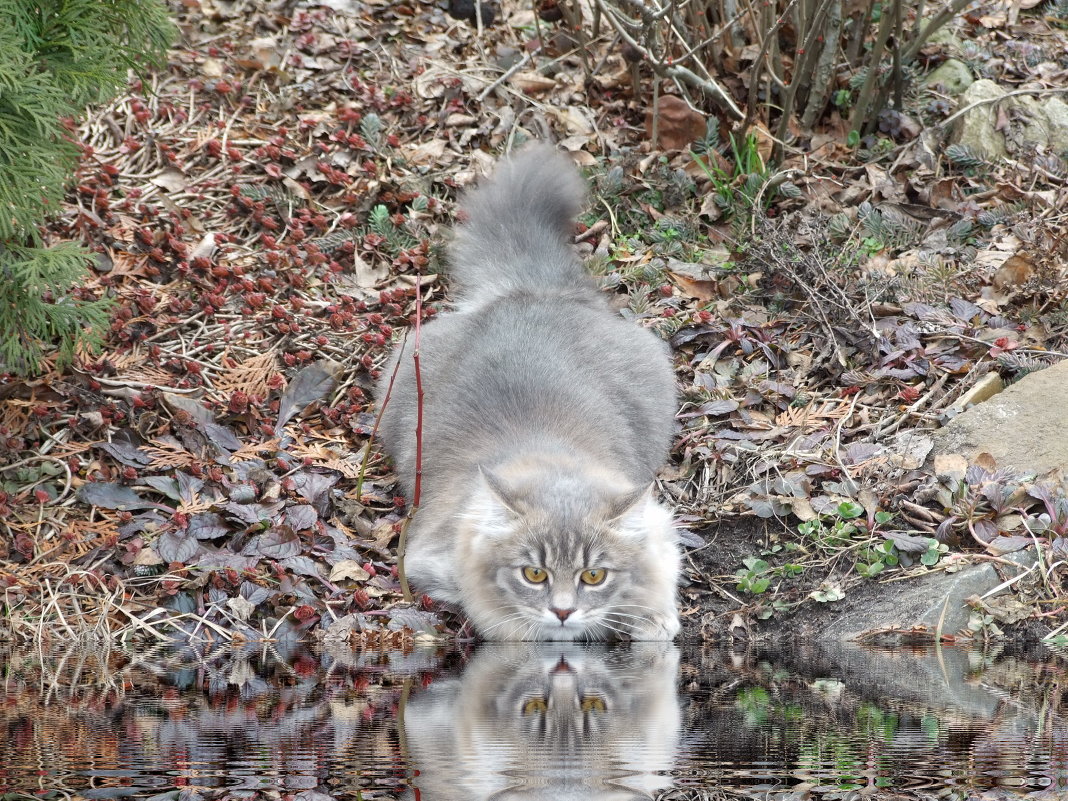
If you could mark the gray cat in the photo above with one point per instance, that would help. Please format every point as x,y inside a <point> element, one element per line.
<point>545,722</point>
<point>544,419</point>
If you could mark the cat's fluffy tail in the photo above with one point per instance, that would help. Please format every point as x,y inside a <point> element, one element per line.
<point>517,233</point>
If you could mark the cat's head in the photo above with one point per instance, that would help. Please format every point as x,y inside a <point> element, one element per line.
<point>568,554</point>
<point>554,721</point>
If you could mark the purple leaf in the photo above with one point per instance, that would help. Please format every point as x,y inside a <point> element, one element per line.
<point>312,485</point>
<point>177,546</point>
<point>310,384</point>
<point>125,452</point>
<point>280,542</point>
<point>718,407</point>
<point>207,526</point>
<point>180,403</point>
<point>301,516</point>
<point>112,496</point>
<point>1002,545</point>
<point>907,543</point>
<point>303,565</point>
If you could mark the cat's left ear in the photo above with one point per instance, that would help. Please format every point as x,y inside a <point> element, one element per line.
<point>631,502</point>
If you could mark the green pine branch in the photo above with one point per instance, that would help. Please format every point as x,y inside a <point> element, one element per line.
<point>56,56</point>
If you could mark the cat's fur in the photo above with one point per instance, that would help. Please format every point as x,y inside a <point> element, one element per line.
<point>549,722</point>
<point>544,419</point>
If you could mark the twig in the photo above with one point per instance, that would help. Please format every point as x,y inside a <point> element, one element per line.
<point>1015,93</point>
<point>417,489</point>
<point>504,76</point>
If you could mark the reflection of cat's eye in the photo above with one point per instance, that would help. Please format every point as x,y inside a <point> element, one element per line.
<point>595,575</point>
<point>592,703</point>
<point>535,706</point>
<point>535,575</point>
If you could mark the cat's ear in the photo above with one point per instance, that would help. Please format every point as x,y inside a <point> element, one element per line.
<point>622,506</point>
<point>500,490</point>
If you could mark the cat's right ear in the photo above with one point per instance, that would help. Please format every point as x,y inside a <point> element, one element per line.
<point>500,490</point>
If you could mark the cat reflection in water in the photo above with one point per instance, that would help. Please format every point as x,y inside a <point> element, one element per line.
<point>548,722</point>
<point>545,417</point>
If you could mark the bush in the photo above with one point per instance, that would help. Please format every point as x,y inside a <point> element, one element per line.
<point>798,57</point>
<point>56,56</point>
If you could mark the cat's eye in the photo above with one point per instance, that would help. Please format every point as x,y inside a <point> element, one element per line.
<point>592,703</point>
<point>535,575</point>
<point>535,706</point>
<point>593,576</point>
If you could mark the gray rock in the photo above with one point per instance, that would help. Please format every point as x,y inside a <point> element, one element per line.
<point>1032,120</point>
<point>1045,122</point>
<point>953,75</point>
<point>1022,427</point>
<point>975,129</point>
<point>924,602</point>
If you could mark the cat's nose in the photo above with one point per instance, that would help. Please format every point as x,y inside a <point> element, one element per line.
<point>563,614</point>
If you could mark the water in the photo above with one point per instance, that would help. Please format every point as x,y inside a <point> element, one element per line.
<point>533,722</point>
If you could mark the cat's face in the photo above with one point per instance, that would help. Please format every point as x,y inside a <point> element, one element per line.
<point>549,722</point>
<point>570,561</point>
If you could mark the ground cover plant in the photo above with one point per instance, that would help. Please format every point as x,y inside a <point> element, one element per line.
<point>265,212</point>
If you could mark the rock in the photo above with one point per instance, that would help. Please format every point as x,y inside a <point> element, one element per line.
<point>953,76</point>
<point>975,129</point>
<point>1022,427</point>
<point>996,129</point>
<point>939,596</point>
<point>1045,122</point>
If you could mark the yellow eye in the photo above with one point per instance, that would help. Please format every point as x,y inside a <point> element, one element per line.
<point>593,576</point>
<point>535,575</point>
<point>593,704</point>
<point>535,706</point>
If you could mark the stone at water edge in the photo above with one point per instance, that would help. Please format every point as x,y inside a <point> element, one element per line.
<point>922,602</point>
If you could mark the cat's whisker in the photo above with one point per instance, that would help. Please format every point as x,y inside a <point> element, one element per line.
<point>509,619</point>
<point>626,614</point>
<point>632,606</point>
<point>611,627</point>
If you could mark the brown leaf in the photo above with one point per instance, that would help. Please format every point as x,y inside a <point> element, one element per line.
<point>677,124</point>
<point>704,290</point>
<point>1013,272</point>
<point>348,569</point>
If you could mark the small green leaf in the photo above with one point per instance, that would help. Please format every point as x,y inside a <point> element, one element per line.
<point>850,510</point>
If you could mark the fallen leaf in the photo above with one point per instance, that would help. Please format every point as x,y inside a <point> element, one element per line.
<point>309,385</point>
<point>349,570</point>
<point>950,466</point>
<point>678,125</point>
<point>170,179</point>
<point>177,546</point>
<point>112,496</point>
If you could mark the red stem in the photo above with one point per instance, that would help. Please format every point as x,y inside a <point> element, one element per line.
<point>417,491</point>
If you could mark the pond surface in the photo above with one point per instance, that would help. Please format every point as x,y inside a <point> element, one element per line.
<point>534,722</point>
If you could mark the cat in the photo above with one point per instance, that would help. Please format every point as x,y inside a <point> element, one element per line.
<point>548,721</point>
<point>545,417</point>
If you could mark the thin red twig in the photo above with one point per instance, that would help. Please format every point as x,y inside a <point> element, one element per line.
<point>417,489</point>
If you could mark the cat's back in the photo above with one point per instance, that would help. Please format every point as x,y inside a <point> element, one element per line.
<point>556,362</point>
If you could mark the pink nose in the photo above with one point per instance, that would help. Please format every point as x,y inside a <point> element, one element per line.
<point>563,614</point>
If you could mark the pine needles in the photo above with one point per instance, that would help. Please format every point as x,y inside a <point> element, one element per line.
<point>55,57</point>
